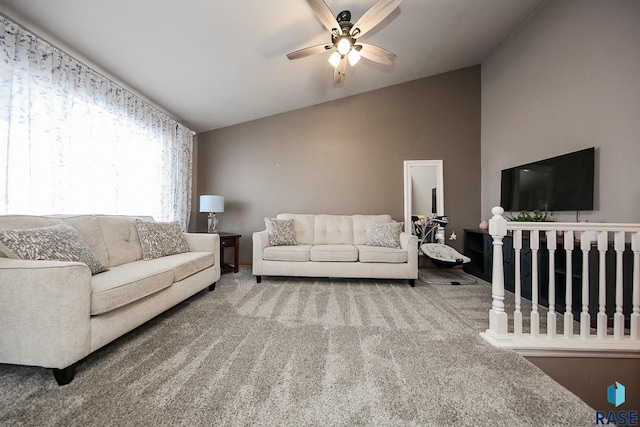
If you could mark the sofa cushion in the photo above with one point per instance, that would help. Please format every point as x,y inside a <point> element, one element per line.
<point>333,230</point>
<point>188,264</point>
<point>160,239</point>
<point>381,254</point>
<point>385,234</point>
<point>281,232</point>
<point>362,226</point>
<point>297,253</point>
<point>121,238</point>
<point>59,242</point>
<point>326,253</point>
<point>303,225</point>
<point>127,283</point>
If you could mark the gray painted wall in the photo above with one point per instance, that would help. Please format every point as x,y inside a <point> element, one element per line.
<point>346,156</point>
<point>568,79</point>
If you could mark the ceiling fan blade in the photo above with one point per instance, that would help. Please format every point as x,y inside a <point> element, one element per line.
<point>338,72</point>
<point>308,51</point>
<point>373,17</point>
<point>376,54</point>
<point>324,14</point>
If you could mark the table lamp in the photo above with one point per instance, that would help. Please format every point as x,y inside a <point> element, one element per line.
<point>212,205</point>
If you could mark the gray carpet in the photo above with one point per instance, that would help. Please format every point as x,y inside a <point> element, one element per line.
<point>302,352</point>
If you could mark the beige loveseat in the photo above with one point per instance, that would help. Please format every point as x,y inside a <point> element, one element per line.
<point>335,246</point>
<point>54,313</point>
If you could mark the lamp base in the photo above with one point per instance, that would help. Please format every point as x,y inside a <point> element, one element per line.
<point>212,223</point>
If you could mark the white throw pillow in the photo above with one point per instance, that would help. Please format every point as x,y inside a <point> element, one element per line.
<point>281,232</point>
<point>385,234</point>
<point>160,239</point>
<point>59,242</point>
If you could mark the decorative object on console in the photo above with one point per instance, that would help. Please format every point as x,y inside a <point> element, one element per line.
<point>525,216</point>
<point>212,205</point>
<point>484,225</point>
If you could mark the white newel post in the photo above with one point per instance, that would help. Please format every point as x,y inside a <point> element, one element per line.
<point>498,319</point>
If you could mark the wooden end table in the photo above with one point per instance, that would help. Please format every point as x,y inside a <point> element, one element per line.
<point>228,240</point>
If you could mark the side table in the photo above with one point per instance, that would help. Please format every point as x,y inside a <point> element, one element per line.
<point>228,240</point>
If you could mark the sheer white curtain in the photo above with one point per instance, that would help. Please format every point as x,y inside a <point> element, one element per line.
<point>72,141</point>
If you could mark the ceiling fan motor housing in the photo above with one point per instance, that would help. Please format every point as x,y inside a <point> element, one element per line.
<point>344,19</point>
<point>345,15</point>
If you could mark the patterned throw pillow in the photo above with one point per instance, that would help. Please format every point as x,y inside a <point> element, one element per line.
<point>160,239</point>
<point>385,234</point>
<point>59,242</point>
<point>281,232</point>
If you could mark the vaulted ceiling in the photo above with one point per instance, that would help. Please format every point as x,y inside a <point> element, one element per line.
<point>213,63</point>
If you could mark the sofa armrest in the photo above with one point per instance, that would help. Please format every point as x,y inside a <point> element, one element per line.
<point>260,242</point>
<point>44,312</point>
<point>202,242</point>
<point>409,242</point>
<point>205,242</point>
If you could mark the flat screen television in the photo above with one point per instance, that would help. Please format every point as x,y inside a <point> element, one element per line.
<point>562,183</point>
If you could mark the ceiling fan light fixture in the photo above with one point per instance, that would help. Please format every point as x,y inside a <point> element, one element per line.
<point>353,57</point>
<point>335,58</point>
<point>344,45</point>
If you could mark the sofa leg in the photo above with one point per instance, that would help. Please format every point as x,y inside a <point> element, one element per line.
<point>258,279</point>
<point>412,282</point>
<point>64,376</point>
<point>212,286</point>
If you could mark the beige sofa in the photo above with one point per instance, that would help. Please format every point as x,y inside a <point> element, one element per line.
<point>335,246</point>
<point>54,313</point>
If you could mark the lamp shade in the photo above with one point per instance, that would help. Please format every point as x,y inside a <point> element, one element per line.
<point>211,203</point>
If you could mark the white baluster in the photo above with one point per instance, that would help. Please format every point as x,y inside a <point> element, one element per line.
<point>585,317</point>
<point>618,317</point>
<point>517,314</point>
<point>603,243</point>
<point>498,319</point>
<point>635,312</point>
<point>551,314</point>
<point>534,241</point>
<point>568,291</point>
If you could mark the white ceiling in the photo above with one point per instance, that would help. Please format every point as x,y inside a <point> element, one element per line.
<point>215,63</point>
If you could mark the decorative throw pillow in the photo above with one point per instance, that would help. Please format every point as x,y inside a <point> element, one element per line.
<point>59,242</point>
<point>385,234</point>
<point>281,232</point>
<point>160,239</point>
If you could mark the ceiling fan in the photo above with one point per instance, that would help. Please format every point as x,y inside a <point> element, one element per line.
<point>344,36</point>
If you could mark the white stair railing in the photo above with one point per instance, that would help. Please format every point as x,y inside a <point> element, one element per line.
<point>609,338</point>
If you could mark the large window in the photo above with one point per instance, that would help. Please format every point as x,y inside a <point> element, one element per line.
<point>71,141</point>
